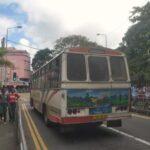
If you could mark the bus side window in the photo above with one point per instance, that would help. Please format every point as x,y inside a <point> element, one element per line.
<point>46,77</point>
<point>53,74</point>
<point>55,71</point>
<point>49,81</point>
<point>36,78</point>
<point>43,74</point>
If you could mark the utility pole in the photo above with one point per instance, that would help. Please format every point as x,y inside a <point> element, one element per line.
<point>3,42</point>
<point>7,33</point>
<point>5,69</point>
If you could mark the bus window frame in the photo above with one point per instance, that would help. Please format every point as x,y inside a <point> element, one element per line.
<point>38,75</point>
<point>66,69</point>
<point>106,57</point>
<point>126,67</point>
<point>88,80</point>
<point>63,71</point>
<point>53,84</point>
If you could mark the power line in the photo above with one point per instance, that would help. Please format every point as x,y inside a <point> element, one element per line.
<point>22,44</point>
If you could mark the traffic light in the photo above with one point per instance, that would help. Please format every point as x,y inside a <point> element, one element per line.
<point>14,76</point>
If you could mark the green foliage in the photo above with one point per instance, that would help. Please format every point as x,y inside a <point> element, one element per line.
<point>4,62</point>
<point>137,43</point>
<point>2,52</point>
<point>75,41</point>
<point>140,14</point>
<point>62,43</point>
<point>40,58</point>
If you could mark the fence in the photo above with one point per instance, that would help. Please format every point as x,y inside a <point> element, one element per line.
<point>141,105</point>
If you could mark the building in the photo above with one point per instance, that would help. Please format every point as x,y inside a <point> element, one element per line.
<point>20,71</point>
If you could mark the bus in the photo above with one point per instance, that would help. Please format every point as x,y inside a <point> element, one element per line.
<point>83,86</point>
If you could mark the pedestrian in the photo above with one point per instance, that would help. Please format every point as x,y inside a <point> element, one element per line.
<point>4,103</point>
<point>134,93</point>
<point>12,99</point>
<point>1,109</point>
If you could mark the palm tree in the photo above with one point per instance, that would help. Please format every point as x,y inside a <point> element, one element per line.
<point>3,61</point>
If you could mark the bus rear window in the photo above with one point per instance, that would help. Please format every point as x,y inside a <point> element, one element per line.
<point>76,70</point>
<point>98,68</point>
<point>118,69</point>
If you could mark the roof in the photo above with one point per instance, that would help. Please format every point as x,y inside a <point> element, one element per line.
<point>108,51</point>
<point>12,50</point>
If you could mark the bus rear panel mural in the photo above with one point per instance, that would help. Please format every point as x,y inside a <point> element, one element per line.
<point>99,101</point>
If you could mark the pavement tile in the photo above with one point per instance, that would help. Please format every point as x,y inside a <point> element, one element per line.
<point>8,136</point>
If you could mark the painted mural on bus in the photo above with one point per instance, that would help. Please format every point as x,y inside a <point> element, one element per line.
<point>104,100</point>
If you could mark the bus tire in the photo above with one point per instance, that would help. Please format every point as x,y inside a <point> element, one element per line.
<point>45,118</point>
<point>31,102</point>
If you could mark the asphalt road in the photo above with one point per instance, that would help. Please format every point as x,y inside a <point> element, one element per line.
<point>133,135</point>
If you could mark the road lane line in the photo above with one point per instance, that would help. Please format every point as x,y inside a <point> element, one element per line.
<point>36,131</point>
<point>31,130</point>
<point>140,116</point>
<point>128,135</point>
<point>32,126</point>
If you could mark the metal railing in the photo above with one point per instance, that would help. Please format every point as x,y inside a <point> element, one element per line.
<point>141,105</point>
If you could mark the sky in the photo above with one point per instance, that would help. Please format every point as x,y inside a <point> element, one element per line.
<point>44,21</point>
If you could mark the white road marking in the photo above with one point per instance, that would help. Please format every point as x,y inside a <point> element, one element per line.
<point>129,136</point>
<point>140,116</point>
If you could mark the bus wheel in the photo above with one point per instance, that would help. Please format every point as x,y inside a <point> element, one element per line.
<point>31,102</point>
<point>46,121</point>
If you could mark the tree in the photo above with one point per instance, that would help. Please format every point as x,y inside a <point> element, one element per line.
<point>3,61</point>
<point>137,43</point>
<point>41,57</point>
<point>75,41</point>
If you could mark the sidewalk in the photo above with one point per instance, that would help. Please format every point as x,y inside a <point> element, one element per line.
<point>8,136</point>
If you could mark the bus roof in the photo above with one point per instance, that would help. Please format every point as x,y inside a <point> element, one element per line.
<point>96,50</point>
<point>107,52</point>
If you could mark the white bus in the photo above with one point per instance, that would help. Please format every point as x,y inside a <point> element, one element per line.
<point>83,86</point>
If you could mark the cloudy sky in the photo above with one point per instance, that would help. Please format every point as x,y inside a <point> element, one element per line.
<point>44,21</point>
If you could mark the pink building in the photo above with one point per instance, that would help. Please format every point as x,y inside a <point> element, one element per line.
<point>21,62</point>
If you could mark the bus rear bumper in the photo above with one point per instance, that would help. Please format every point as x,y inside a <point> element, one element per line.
<point>87,119</point>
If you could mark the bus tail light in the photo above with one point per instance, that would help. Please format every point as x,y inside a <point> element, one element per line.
<point>73,111</point>
<point>69,111</point>
<point>78,111</point>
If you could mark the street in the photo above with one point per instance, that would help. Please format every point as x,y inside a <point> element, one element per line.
<point>133,135</point>
<point>75,75</point>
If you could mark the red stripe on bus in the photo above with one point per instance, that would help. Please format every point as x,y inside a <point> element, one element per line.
<point>55,119</point>
<point>77,120</point>
<point>73,120</point>
<point>85,119</point>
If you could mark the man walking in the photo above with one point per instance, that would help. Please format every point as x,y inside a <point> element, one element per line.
<point>12,99</point>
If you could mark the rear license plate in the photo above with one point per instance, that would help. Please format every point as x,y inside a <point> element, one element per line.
<point>99,117</point>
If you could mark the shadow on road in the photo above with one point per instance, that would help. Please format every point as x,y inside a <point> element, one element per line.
<point>79,133</point>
